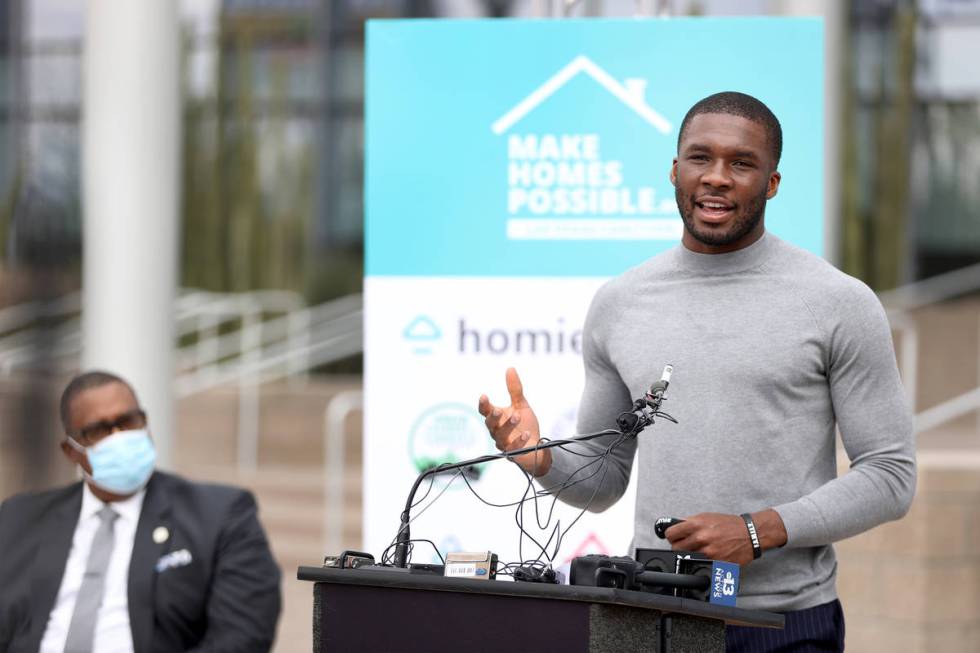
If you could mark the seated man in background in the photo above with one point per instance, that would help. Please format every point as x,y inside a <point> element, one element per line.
<point>131,559</point>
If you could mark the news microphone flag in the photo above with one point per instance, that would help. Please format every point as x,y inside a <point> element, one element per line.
<point>724,583</point>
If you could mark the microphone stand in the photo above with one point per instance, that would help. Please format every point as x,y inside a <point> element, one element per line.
<point>630,423</point>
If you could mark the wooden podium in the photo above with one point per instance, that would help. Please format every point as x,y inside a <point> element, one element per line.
<point>395,610</point>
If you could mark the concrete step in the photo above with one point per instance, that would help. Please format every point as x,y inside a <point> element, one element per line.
<point>291,502</point>
<point>959,434</point>
<point>290,424</point>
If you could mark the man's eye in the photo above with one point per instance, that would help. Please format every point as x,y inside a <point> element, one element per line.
<point>95,431</point>
<point>698,157</point>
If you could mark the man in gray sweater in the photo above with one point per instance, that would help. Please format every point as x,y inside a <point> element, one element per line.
<point>772,349</point>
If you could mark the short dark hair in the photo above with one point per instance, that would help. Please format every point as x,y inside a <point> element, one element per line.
<point>744,106</point>
<point>82,382</point>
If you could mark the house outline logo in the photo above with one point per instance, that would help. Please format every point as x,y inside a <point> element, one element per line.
<point>629,93</point>
<point>422,331</point>
<point>564,186</point>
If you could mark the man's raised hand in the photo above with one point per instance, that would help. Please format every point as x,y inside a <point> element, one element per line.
<point>516,426</point>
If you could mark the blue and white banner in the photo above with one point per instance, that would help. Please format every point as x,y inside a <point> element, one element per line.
<point>511,168</point>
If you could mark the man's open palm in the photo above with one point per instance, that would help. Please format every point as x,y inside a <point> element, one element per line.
<point>516,426</point>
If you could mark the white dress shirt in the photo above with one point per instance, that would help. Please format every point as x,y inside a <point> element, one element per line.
<point>112,632</point>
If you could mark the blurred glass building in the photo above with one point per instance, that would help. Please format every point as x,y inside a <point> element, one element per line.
<point>912,170</point>
<point>273,150</point>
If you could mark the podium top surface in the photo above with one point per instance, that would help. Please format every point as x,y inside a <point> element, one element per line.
<point>402,579</point>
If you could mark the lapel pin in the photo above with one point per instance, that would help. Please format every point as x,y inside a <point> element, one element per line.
<point>160,534</point>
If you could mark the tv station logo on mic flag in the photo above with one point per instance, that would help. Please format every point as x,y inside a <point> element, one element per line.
<point>724,583</point>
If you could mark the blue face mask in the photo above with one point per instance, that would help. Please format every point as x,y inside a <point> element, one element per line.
<point>122,462</point>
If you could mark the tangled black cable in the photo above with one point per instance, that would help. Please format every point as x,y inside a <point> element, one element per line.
<point>598,460</point>
<point>385,558</point>
<point>557,534</point>
<point>601,469</point>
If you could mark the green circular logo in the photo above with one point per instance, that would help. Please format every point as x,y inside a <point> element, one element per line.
<point>448,433</point>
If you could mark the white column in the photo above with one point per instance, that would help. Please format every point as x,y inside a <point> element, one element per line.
<point>131,135</point>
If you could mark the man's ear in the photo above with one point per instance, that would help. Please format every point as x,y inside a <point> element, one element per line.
<point>773,186</point>
<point>69,452</point>
<point>74,456</point>
<point>673,173</point>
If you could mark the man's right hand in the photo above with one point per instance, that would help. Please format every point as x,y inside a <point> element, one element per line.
<point>516,427</point>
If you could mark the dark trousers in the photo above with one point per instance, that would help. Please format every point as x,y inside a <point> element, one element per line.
<point>820,628</point>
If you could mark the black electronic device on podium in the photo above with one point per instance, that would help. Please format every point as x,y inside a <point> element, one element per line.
<point>360,606</point>
<point>376,609</point>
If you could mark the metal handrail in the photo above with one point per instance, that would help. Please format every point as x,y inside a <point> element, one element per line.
<point>320,334</point>
<point>948,410</point>
<point>17,347</point>
<point>933,290</point>
<point>257,350</point>
<point>270,331</point>
<point>24,315</point>
<point>334,418</point>
<point>899,304</point>
<point>189,301</point>
<point>337,339</point>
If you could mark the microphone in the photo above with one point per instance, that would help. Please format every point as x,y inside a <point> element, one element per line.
<point>658,389</point>
<point>661,525</point>
<point>647,407</point>
<point>642,416</point>
<point>694,577</point>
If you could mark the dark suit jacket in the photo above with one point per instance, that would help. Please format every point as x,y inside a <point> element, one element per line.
<point>226,599</point>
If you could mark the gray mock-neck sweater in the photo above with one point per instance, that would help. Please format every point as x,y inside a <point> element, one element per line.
<point>772,348</point>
